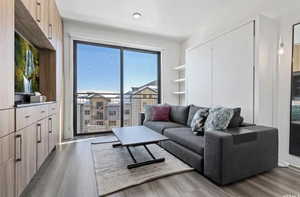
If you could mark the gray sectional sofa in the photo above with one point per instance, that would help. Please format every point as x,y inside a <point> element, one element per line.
<point>222,156</point>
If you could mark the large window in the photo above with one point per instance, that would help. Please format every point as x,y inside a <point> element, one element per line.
<point>112,85</point>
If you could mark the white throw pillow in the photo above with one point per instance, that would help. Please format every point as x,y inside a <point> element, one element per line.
<point>218,119</point>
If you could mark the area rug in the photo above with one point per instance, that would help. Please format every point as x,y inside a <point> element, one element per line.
<point>111,170</point>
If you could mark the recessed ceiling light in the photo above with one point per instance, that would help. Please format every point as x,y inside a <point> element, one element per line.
<point>136,15</point>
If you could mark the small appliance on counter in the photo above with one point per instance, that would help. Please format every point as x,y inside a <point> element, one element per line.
<point>38,98</point>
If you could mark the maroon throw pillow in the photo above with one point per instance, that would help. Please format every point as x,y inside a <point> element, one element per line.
<point>161,113</point>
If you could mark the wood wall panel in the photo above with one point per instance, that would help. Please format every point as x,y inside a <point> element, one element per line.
<point>48,74</point>
<point>7,53</point>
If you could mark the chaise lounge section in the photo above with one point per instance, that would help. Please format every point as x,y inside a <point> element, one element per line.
<point>222,156</point>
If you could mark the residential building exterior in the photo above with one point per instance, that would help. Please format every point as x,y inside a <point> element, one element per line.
<point>100,112</point>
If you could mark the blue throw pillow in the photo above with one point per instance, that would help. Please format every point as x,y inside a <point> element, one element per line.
<point>218,119</point>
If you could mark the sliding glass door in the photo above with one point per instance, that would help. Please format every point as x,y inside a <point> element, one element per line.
<point>140,83</point>
<point>111,86</point>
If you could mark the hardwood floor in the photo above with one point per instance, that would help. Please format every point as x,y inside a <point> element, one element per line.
<point>68,172</point>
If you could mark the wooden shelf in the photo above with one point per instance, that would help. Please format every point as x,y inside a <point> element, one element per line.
<point>179,80</point>
<point>178,68</point>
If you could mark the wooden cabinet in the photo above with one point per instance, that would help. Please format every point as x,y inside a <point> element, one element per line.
<point>33,7</point>
<point>26,116</point>
<point>7,53</point>
<point>7,163</point>
<point>42,15</point>
<point>42,141</point>
<point>35,138</point>
<point>45,16</point>
<point>26,152</point>
<point>52,34</point>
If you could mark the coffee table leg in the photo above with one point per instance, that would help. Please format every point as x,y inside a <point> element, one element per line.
<point>131,155</point>
<point>149,152</point>
<point>139,164</point>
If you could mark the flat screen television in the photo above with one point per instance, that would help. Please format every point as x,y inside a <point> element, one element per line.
<point>26,66</point>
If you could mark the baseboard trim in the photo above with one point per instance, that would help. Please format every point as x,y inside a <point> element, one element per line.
<point>283,164</point>
<point>293,167</point>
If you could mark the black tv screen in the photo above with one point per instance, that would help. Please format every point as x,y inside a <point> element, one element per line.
<point>26,66</point>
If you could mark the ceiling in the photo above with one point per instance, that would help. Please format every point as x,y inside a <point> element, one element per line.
<point>176,19</point>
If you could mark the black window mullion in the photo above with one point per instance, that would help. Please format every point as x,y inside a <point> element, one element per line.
<point>122,86</point>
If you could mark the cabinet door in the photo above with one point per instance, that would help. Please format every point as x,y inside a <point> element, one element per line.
<point>42,141</point>
<point>42,15</point>
<point>7,163</point>
<point>7,53</point>
<point>45,17</point>
<point>199,81</point>
<point>25,157</point>
<point>31,6</point>
<point>52,32</point>
<point>233,75</point>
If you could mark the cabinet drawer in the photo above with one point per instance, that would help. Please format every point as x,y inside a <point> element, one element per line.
<point>52,108</point>
<point>41,112</point>
<point>25,116</point>
<point>7,121</point>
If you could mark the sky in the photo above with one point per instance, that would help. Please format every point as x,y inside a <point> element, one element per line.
<point>98,68</point>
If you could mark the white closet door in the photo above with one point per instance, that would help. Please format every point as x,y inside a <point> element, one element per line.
<point>233,78</point>
<point>198,75</point>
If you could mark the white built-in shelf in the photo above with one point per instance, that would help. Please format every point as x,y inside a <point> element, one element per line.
<point>179,80</point>
<point>179,93</point>
<point>178,68</point>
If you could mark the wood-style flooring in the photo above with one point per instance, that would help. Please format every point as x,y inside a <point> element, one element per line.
<point>68,172</point>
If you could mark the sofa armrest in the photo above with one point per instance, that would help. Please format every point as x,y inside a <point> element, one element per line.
<point>239,153</point>
<point>141,118</point>
<point>245,124</point>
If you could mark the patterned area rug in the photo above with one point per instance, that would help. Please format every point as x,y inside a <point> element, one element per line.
<point>111,170</point>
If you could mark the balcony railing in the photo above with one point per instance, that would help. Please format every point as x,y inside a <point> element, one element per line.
<point>87,122</point>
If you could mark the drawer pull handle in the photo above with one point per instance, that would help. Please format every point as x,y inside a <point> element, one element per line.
<point>42,112</point>
<point>50,31</point>
<point>18,159</point>
<point>50,125</point>
<point>38,12</point>
<point>39,133</point>
<point>27,116</point>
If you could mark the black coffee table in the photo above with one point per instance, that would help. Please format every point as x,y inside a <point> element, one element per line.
<point>138,136</point>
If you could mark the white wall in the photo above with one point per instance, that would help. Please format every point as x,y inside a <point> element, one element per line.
<point>283,73</point>
<point>170,50</point>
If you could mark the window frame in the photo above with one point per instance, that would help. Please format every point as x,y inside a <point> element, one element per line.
<point>122,49</point>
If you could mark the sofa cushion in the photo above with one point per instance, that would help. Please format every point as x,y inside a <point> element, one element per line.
<point>236,119</point>
<point>192,110</point>
<point>160,126</point>
<point>218,119</point>
<point>161,113</point>
<point>179,114</point>
<point>198,121</point>
<point>186,138</point>
<point>148,110</point>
